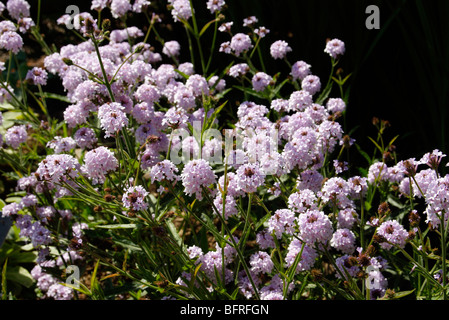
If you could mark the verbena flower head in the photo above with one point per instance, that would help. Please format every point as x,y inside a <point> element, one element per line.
<point>334,105</point>
<point>134,198</point>
<point>198,85</point>
<point>60,144</point>
<point>260,262</point>
<point>315,227</point>
<point>215,5</point>
<point>343,240</point>
<point>12,41</point>
<point>240,42</point>
<point>120,7</point>
<point>164,170</point>
<point>112,118</point>
<point>249,177</point>
<point>238,70</point>
<point>279,49</point>
<point>18,9</point>
<point>308,256</point>
<point>196,175</point>
<point>346,218</point>
<point>437,201</point>
<point>57,167</point>
<point>37,76</point>
<point>260,81</point>
<point>300,70</point>
<point>302,201</point>
<point>300,100</point>
<point>16,135</point>
<point>85,138</point>
<point>181,10</point>
<point>99,162</point>
<point>393,233</point>
<point>335,48</point>
<point>311,84</point>
<point>230,206</point>
<point>283,221</point>
<point>171,48</point>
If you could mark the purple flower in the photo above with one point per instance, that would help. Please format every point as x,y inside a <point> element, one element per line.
<point>334,105</point>
<point>302,201</point>
<point>60,144</point>
<point>25,24</point>
<point>260,262</point>
<point>112,118</point>
<point>240,42</point>
<point>18,9</point>
<point>37,76</point>
<point>300,100</point>
<point>310,179</point>
<point>171,48</point>
<point>265,240</point>
<point>181,10</point>
<point>164,170</point>
<point>134,198</point>
<point>56,167</point>
<point>230,206</point>
<point>300,70</point>
<point>283,221</point>
<point>85,138</point>
<point>60,292</point>
<point>198,85</point>
<point>143,112</point>
<point>249,178</point>
<point>311,84</point>
<point>336,191</point>
<point>315,227</point>
<point>29,200</point>
<point>250,21</point>
<point>343,264</point>
<point>11,209</point>
<point>260,81</point>
<point>308,256</point>
<point>120,7</point>
<point>215,5</point>
<point>11,41</point>
<point>238,70</point>
<point>261,31</point>
<point>147,93</point>
<point>196,175</point>
<point>343,240</point>
<point>99,162</point>
<point>346,218</point>
<point>279,49</point>
<point>335,48</point>
<point>16,135</point>
<point>39,235</point>
<point>394,234</point>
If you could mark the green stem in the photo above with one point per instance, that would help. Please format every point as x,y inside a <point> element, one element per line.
<point>105,76</point>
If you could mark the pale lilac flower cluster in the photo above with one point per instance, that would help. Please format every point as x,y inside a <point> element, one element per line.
<point>37,76</point>
<point>15,136</point>
<point>98,163</point>
<point>308,255</point>
<point>315,227</point>
<point>393,233</point>
<point>60,144</point>
<point>335,48</point>
<point>134,198</point>
<point>279,49</point>
<point>164,170</point>
<point>196,175</point>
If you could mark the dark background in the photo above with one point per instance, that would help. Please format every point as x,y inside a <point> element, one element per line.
<point>400,73</point>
